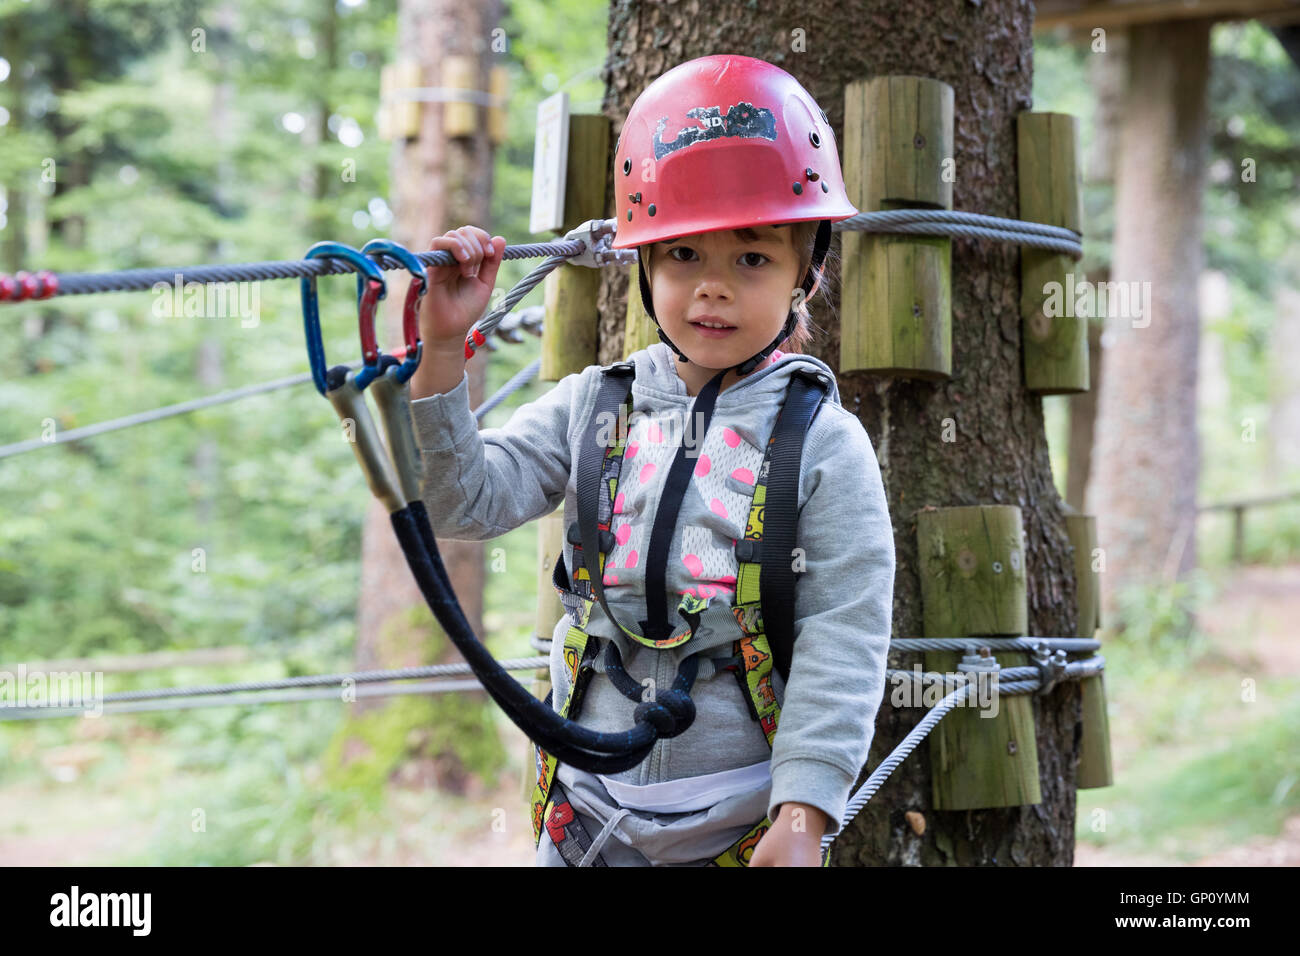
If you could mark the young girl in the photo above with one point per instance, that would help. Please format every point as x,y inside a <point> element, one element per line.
<point>727,180</point>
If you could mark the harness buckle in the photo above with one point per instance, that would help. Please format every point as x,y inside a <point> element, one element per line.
<point>814,375</point>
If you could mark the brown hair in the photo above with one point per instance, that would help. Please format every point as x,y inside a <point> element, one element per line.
<point>804,239</point>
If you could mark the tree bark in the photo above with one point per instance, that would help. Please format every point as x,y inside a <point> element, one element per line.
<point>985,53</point>
<point>1145,466</point>
<point>438,184</point>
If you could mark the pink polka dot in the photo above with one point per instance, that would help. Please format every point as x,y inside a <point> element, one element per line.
<point>647,472</point>
<point>776,354</point>
<point>702,466</point>
<point>631,559</point>
<point>654,434</point>
<point>609,580</point>
<point>623,533</point>
<point>730,437</point>
<point>630,452</point>
<point>693,564</point>
<point>618,503</point>
<point>718,507</point>
<point>744,474</point>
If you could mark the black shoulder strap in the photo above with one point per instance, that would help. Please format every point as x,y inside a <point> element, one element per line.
<point>806,391</point>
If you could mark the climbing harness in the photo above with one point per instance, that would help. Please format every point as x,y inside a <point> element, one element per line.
<point>763,605</point>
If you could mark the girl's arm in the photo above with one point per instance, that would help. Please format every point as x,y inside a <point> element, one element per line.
<point>843,616</point>
<point>480,484</point>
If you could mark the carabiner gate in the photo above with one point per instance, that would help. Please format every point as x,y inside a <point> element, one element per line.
<point>377,289</point>
<point>410,309</point>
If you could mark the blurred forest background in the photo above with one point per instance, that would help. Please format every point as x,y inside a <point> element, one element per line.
<point>171,156</point>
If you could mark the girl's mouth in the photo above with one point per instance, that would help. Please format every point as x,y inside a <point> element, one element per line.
<point>709,333</point>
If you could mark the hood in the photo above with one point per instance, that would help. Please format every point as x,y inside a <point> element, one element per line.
<point>656,375</point>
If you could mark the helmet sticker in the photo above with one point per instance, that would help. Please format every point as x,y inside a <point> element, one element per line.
<point>743,119</point>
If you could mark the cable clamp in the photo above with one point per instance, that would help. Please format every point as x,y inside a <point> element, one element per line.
<point>597,235</point>
<point>1051,667</point>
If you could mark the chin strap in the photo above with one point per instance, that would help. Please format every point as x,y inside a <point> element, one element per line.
<point>815,268</point>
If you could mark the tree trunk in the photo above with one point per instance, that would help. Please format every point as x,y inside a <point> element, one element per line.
<point>1284,404</point>
<point>16,193</point>
<point>1147,460</point>
<point>438,184</point>
<point>985,53</point>
<point>208,364</point>
<point>1107,76</point>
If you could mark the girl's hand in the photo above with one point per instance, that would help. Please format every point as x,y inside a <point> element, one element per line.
<point>458,294</point>
<point>785,845</point>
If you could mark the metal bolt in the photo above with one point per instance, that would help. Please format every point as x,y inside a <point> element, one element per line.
<point>798,188</point>
<point>811,175</point>
<point>1011,746</point>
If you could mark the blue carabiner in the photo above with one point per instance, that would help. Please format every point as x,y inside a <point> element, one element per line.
<point>375,289</point>
<point>411,308</point>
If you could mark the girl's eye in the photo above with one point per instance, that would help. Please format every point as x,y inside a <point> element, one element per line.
<point>753,265</point>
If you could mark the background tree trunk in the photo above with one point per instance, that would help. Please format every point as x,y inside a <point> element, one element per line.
<point>985,53</point>
<point>1107,74</point>
<point>1145,466</point>
<point>1284,416</point>
<point>438,184</point>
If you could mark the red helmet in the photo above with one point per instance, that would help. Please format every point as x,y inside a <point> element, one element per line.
<point>726,142</point>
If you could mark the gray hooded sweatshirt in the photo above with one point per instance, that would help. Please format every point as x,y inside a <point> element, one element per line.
<point>480,484</point>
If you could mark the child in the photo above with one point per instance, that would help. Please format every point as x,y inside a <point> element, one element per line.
<point>731,225</point>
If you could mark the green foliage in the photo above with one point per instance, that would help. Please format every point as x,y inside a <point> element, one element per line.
<point>127,542</point>
<point>1204,765</point>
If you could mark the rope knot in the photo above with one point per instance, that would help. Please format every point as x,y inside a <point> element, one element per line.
<point>670,713</point>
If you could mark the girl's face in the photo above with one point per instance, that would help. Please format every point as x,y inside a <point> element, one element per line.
<point>723,279</point>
